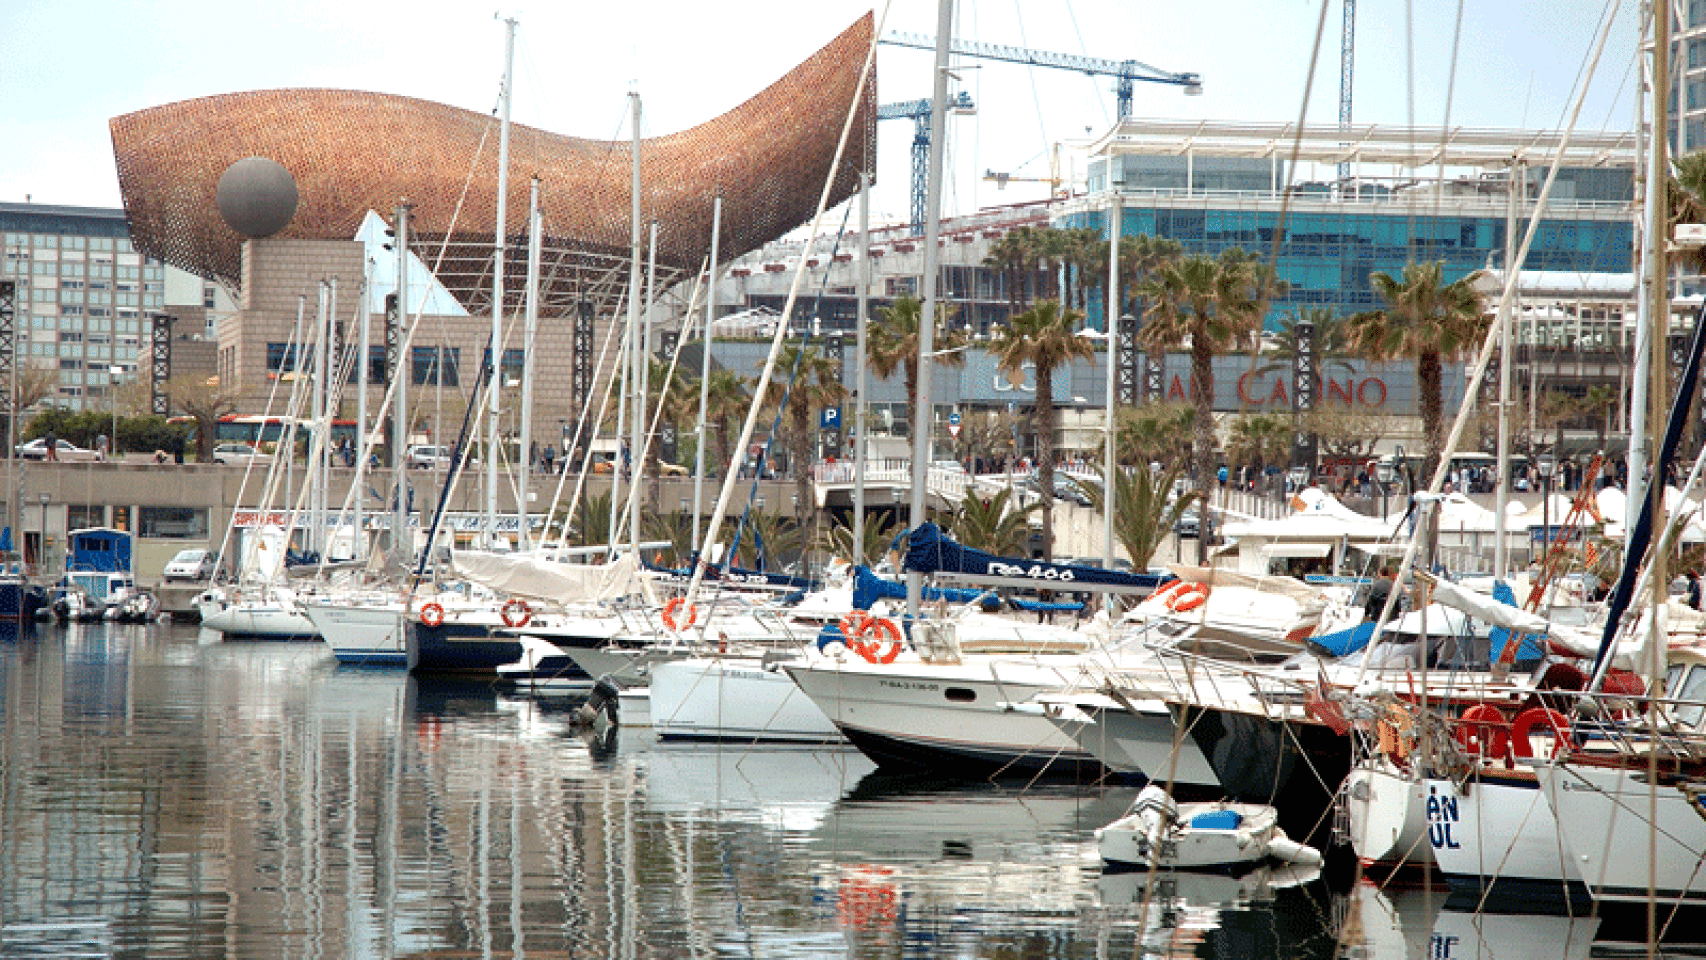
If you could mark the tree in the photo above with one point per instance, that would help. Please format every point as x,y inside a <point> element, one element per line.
<point>1259,439</point>
<point>1142,513</point>
<point>672,399</point>
<point>590,527</point>
<point>815,383</point>
<point>1211,304</point>
<point>1155,433</point>
<point>727,398</point>
<point>1045,337</point>
<point>881,529</point>
<point>1345,434</point>
<point>1014,257</point>
<point>1333,346</point>
<point>893,345</point>
<point>1426,320</point>
<point>205,400</point>
<point>993,523</point>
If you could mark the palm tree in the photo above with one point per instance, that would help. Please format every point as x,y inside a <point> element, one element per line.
<point>1155,433</point>
<point>726,401</point>
<point>880,531</point>
<point>1214,304</point>
<point>1142,513</point>
<point>1141,256</point>
<point>1260,439</point>
<point>1045,337</point>
<point>1333,346</point>
<point>591,526</point>
<point>1014,255</point>
<point>671,399</point>
<point>993,524</point>
<point>1426,320</point>
<point>815,383</point>
<point>893,345</point>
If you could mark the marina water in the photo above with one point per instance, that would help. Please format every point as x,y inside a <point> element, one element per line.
<point>166,794</point>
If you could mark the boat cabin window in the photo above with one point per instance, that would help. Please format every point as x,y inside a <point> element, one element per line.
<point>1692,691</point>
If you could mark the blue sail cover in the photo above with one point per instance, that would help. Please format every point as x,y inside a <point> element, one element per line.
<point>868,588</point>
<point>1530,648</point>
<point>930,551</point>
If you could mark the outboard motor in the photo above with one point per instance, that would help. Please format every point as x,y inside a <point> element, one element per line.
<point>601,706</point>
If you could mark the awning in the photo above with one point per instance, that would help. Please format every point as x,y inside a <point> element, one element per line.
<point>1297,549</point>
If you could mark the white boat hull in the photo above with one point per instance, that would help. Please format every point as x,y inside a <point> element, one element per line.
<point>733,699</point>
<point>1603,814</point>
<point>364,636</point>
<point>259,622</point>
<point>1145,741</point>
<point>1388,813</point>
<point>913,715</point>
<point>1501,834</point>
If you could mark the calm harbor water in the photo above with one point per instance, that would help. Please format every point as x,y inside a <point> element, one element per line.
<point>166,794</point>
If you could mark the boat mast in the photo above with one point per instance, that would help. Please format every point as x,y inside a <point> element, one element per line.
<point>494,389</point>
<point>859,362</point>
<point>1502,496</point>
<point>635,351</point>
<point>402,371</point>
<point>705,369</point>
<point>315,475</point>
<point>642,387</point>
<point>534,222</point>
<point>922,415</point>
<point>1652,305</point>
<point>1112,328</point>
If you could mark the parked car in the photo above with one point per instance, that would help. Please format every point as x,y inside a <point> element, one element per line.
<point>427,456</point>
<point>238,453</point>
<point>191,565</point>
<point>671,469</point>
<point>37,450</point>
<point>1191,524</point>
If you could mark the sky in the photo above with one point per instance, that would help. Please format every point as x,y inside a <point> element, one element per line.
<point>68,66</point>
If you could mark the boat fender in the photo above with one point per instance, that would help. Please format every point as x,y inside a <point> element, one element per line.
<point>1393,734</point>
<point>673,607</point>
<point>432,614</point>
<point>602,702</point>
<point>515,612</point>
<point>1191,597</point>
<point>1526,721</point>
<point>1282,847</point>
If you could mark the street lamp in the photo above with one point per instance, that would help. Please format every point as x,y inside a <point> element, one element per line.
<point>1545,464</point>
<point>112,442</point>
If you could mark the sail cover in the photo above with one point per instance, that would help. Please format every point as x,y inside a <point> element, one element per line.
<point>529,576</point>
<point>929,550</point>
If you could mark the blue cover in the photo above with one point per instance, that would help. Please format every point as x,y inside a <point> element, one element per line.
<point>868,588</point>
<point>98,550</point>
<point>1217,820</point>
<point>1037,606</point>
<point>930,551</point>
<point>1344,641</point>
<point>1531,648</point>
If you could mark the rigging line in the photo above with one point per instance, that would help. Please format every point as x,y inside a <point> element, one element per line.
<point>1078,31</point>
<point>1296,147</point>
<point>1582,66</point>
<point>1031,75</point>
<point>1445,127</point>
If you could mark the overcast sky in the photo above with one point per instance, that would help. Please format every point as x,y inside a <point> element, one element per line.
<point>68,66</point>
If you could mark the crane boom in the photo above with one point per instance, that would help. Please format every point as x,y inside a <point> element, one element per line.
<point>1125,72</point>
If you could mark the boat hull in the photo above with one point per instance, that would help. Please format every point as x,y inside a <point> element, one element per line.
<point>1603,815</point>
<point>733,699</point>
<point>1498,841</point>
<point>362,636</point>
<point>946,718</point>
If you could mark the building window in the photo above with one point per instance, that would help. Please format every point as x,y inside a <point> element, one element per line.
<point>172,523</point>
<point>282,358</point>
<point>82,516</point>
<point>514,361</point>
<point>431,363</point>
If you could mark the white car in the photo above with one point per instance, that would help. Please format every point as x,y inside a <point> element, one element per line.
<point>426,457</point>
<point>238,453</point>
<point>37,450</point>
<point>191,565</point>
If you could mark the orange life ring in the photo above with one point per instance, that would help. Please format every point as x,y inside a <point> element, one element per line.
<point>673,607</point>
<point>432,614</point>
<point>1165,593</point>
<point>515,612</point>
<point>1193,596</point>
<point>1526,721</point>
<point>1482,731</point>
<point>851,625</point>
<point>879,630</point>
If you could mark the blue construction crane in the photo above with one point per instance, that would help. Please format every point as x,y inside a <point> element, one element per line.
<point>1124,72</point>
<point>919,112</point>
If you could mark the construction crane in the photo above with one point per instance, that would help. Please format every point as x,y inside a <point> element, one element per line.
<point>1347,70</point>
<point>1124,72</point>
<point>919,112</point>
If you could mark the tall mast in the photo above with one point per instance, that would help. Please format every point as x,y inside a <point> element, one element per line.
<point>923,416</point>
<point>494,393</point>
<point>859,361</point>
<point>534,222</point>
<point>705,369</point>
<point>1112,329</point>
<point>402,541</point>
<point>317,416</point>
<point>636,351</point>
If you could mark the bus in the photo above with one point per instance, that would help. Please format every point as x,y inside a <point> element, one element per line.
<point>265,433</point>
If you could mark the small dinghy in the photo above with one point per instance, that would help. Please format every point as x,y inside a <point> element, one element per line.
<point>1159,834</point>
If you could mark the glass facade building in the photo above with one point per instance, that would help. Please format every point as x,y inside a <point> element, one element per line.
<point>1226,186</point>
<point>84,295</point>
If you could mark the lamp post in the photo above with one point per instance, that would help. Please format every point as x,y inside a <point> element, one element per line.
<point>1545,464</point>
<point>112,388</point>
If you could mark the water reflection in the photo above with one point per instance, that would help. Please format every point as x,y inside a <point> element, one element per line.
<point>162,793</point>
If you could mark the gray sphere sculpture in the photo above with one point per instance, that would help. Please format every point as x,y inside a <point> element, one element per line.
<point>257,197</point>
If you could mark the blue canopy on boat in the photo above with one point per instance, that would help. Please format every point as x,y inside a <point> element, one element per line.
<point>1530,649</point>
<point>868,588</point>
<point>97,550</point>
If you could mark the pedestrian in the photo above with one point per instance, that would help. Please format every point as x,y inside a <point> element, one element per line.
<point>101,448</point>
<point>550,458</point>
<point>1694,589</point>
<point>1378,591</point>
